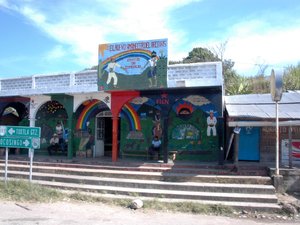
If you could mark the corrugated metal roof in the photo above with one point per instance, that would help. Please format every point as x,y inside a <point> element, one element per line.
<point>261,106</point>
<point>289,97</point>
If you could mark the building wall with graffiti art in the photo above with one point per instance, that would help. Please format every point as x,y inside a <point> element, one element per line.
<point>117,110</point>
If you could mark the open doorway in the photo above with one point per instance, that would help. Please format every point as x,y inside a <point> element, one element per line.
<point>103,133</point>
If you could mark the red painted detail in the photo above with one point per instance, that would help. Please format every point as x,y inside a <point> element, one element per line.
<point>118,99</point>
<point>296,155</point>
<point>296,144</point>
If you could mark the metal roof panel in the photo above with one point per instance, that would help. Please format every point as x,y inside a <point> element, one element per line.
<point>263,107</point>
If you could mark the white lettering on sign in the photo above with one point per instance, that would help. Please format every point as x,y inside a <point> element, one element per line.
<point>24,132</point>
<point>33,132</point>
<point>11,142</point>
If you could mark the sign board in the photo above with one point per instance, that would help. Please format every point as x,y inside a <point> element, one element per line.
<point>19,131</point>
<point>135,65</point>
<point>285,151</point>
<point>276,84</point>
<point>20,142</point>
<point>20,137</point>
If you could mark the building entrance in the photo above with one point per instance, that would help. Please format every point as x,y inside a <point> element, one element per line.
<point>103,133</point>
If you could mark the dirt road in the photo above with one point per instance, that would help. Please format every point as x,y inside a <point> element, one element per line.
<point>68,213</point>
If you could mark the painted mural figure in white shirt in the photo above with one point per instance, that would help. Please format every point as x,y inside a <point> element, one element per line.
<point>111,72</point>
<point>211,124</point>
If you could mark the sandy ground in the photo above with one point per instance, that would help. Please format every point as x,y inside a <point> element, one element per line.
<point>68,213</point>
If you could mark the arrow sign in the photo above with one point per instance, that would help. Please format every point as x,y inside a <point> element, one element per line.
<point>11,131</point>
<point>20,142</point>
<point>26,143</point>
<point>20,131</point>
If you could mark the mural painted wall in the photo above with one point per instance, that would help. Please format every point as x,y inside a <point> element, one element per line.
<point>133,65</point>
<point>84,135</point>
<point>192,126</point>
<point>139,122</point>
<point>48,117</point>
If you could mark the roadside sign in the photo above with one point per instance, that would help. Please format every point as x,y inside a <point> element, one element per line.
<point>20,142</point>
<point>20,137</point>
<point>20,131</point>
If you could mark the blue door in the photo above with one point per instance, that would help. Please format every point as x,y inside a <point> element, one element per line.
<point>249,143</point>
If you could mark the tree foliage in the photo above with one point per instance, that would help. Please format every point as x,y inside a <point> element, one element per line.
<point>259,84</point>
<point>291,78</point>
<point>235,84</point>
<point>200,55</point>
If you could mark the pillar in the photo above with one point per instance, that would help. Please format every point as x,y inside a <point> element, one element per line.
<point>115,138</point>
<point>70,135</point>
<point>165,139</point>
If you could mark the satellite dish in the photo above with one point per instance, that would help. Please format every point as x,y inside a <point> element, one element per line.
<point>276,86</point>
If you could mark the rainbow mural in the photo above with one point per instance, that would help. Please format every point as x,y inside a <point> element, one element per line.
<point>86,113</point>
<point>126,65</point>
<point>133,118</point>
<point>141,53</point>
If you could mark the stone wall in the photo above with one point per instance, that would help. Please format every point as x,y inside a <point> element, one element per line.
<point>291,179</point>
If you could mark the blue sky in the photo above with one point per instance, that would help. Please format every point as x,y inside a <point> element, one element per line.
<point>53,36</point>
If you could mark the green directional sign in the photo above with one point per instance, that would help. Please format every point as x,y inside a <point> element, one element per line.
<point>19,131</point>
<point>20,142</point>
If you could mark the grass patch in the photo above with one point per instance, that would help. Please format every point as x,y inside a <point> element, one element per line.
<point>188,207</point>
<point>89,198</point>
<point>24,191</point>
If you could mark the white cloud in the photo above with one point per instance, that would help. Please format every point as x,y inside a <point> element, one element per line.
<point>255,42</point>
<point>83,31</point>
<point>80,26</point>
<point>35,16</point>
<point>274,47</point>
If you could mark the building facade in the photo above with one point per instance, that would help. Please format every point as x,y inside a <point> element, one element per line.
<point>186,114</point>
<point>255,114</point>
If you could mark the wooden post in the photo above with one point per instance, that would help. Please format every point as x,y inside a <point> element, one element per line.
<point>236,147</point>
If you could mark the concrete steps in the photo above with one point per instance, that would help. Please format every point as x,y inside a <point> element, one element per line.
<point>152,181</point>
<point>151,174</point>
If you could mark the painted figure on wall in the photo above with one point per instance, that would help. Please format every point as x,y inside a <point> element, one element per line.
<point>157,116</point>
<point>211,124</point>
<point>157,130</point>
<point>144,62</point>
<point>152,62</point>
<point>86,140</point>
<point>111,72</point>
